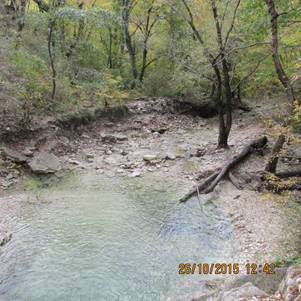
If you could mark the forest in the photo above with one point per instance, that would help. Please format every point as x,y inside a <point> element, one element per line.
<point>192,101</point>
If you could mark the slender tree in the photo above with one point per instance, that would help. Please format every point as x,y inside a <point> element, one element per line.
<point>220,65</point>
<point>285,81</point>
<point>127,6</point>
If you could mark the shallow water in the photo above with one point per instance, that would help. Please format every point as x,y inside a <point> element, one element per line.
<point>97,238</point>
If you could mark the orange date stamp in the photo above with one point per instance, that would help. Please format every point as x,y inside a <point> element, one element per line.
<point>226,268</point>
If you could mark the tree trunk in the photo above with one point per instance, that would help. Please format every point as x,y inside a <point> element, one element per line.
<point>81,25</point>
<point>223,137</point>
<point>283,78</point>
<point>21,15</point>
<point>144,62</point>
<point>51,58</point>
<point>273,160</point>
<point>43,6</point>
<point>128,40</point>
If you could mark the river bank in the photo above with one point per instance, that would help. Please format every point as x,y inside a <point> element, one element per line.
<point>154,141</point>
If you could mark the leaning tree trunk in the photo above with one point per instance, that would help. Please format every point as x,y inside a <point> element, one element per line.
<point>273,160</point>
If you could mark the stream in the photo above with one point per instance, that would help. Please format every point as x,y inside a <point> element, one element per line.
<point>94,237</point>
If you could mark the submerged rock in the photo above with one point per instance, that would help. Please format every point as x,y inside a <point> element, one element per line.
<point>13,155</point>
<point>45,163</point>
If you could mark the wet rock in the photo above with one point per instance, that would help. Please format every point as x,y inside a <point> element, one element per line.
<point>45,163</point>
<point>150,157</point>
<point>13,155</point>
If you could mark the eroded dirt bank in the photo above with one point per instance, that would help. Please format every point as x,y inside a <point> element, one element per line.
<point>154,140</point>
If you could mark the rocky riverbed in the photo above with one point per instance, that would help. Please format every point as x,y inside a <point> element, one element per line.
<point>152,139</point>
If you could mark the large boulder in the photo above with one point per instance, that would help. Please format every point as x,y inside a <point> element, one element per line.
<point>13,155</point>
<point>45,163</point>
<point>243,292</point>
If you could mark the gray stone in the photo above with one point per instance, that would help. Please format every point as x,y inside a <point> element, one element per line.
<point>5,238</point>
<point>121,137</point>
<point>170,157</point>
<point>112,138</point>
<point>135,174</point>
<point>28,152</point>
<point>108,138</point>
<point>89,156</point>
<point>150,157</point>
<point>13,155</point>
<point>45,163</point>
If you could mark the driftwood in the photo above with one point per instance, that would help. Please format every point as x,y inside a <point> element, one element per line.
<point>210,183</point>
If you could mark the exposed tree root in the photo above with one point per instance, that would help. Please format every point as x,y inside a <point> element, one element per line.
<point>234,180</point>
<point>210,183</point>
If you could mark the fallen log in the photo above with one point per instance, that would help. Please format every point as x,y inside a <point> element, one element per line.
<point>289,174</point>
<point>210,183</point>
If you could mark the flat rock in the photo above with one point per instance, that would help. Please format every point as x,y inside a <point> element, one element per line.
<point>45,163</point>
<point>13,155</point>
